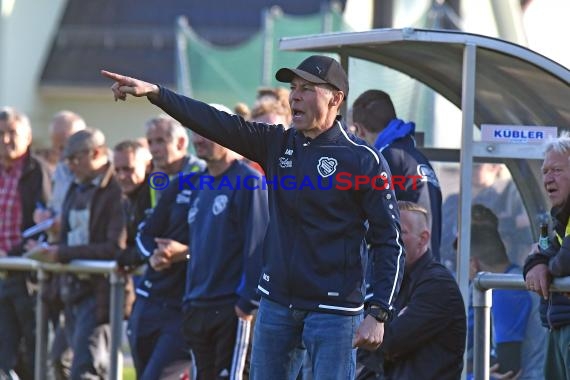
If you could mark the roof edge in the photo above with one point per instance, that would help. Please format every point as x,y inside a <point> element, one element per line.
<point>332,42</point>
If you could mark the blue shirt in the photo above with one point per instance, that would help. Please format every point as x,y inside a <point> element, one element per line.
<point>227,229</point>
<point>515,318</point>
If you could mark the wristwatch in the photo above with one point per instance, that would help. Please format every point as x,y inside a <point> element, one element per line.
<point>378,313</point>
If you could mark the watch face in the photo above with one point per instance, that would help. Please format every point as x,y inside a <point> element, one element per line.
<point>379,314</point>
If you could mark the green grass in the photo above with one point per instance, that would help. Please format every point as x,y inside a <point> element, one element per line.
<point>129,373</point>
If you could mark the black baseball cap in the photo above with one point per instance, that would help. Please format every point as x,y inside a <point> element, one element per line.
<point>317,69</point>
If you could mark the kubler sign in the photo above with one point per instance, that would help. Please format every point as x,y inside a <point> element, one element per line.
<point>517,134</point>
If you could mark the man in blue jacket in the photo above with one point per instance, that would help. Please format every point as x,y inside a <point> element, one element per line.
<point>375,121</point>
<point>228,220</point>
<point>155,326</point>
<point>326,193</point>
<point>553,260</point>
<point>518,337</point>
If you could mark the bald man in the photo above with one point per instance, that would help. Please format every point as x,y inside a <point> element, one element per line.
<point>426,339</point>
<point>63,125</point>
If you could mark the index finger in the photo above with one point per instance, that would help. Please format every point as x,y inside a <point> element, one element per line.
<point>114,76</point>
<point>544,287</point>
<point>162,240</point>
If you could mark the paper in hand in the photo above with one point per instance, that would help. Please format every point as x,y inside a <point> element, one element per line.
<point>40,227</point>
<point>38,253</point>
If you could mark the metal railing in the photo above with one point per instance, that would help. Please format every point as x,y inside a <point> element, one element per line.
<point>116,280</point>
<point>483,284</point>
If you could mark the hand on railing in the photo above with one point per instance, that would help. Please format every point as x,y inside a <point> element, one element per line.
<point>41,251</point>
<point>538,280</point>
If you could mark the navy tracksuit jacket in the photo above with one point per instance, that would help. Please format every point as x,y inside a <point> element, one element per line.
<point>406,160</point>
<point>312,256</point>
<point>168,220</point>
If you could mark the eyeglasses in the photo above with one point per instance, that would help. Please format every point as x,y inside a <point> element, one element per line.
<point>75,157</point>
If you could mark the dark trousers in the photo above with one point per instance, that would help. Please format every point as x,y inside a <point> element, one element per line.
<point>17,325</point>
<point>220,343</point>
<point>60,355</point>
<point>156,341</point>
<point>88,340</point>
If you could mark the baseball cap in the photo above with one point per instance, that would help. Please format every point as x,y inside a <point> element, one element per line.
<point>84,140</point>
<point>317,69</point>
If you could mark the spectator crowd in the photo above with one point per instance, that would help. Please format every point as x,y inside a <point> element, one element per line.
<point>265,283</point>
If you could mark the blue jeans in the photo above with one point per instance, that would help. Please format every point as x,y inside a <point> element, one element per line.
<point>88,340</point>
<point>281,336</point>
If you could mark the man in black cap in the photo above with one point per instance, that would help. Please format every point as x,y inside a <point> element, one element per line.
<point>326,194</point>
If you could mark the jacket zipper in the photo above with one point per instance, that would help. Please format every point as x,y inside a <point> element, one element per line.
<point>298,170</point>
<point>548,310</point>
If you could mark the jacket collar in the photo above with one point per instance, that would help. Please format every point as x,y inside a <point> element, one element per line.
<point>418,266</point>
<point>26,163</point>
<point>561,214</point>
<point>102,179</point>
<point>329,135</point>
<point>140,189</point>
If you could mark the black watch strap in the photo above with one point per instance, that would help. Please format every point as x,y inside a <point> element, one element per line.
<point>380,314</point>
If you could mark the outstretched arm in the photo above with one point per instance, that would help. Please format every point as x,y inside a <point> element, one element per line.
<point>126,85</point>
<point>251,140</point>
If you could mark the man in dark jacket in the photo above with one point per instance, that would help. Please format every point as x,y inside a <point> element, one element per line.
<point>312,282</point>
<point>553,260</point>
<point>374,120</point>
<point>131,162</point>
<point>92,228</point>
<point>426,340</point>
<point>227,223</point>
<point>24,182</point>
<point>168,144</point>
<point>155,325</point>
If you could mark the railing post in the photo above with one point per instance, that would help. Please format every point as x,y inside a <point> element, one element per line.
<point>40,365</point>
<point>117,281</point>
<point>482,302</point>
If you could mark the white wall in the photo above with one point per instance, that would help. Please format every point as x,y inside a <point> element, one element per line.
<point>27,28</point>
<point>118,120</point>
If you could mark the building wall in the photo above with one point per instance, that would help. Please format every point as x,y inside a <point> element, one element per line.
<point>27,28</point>
<point>118,120</point>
